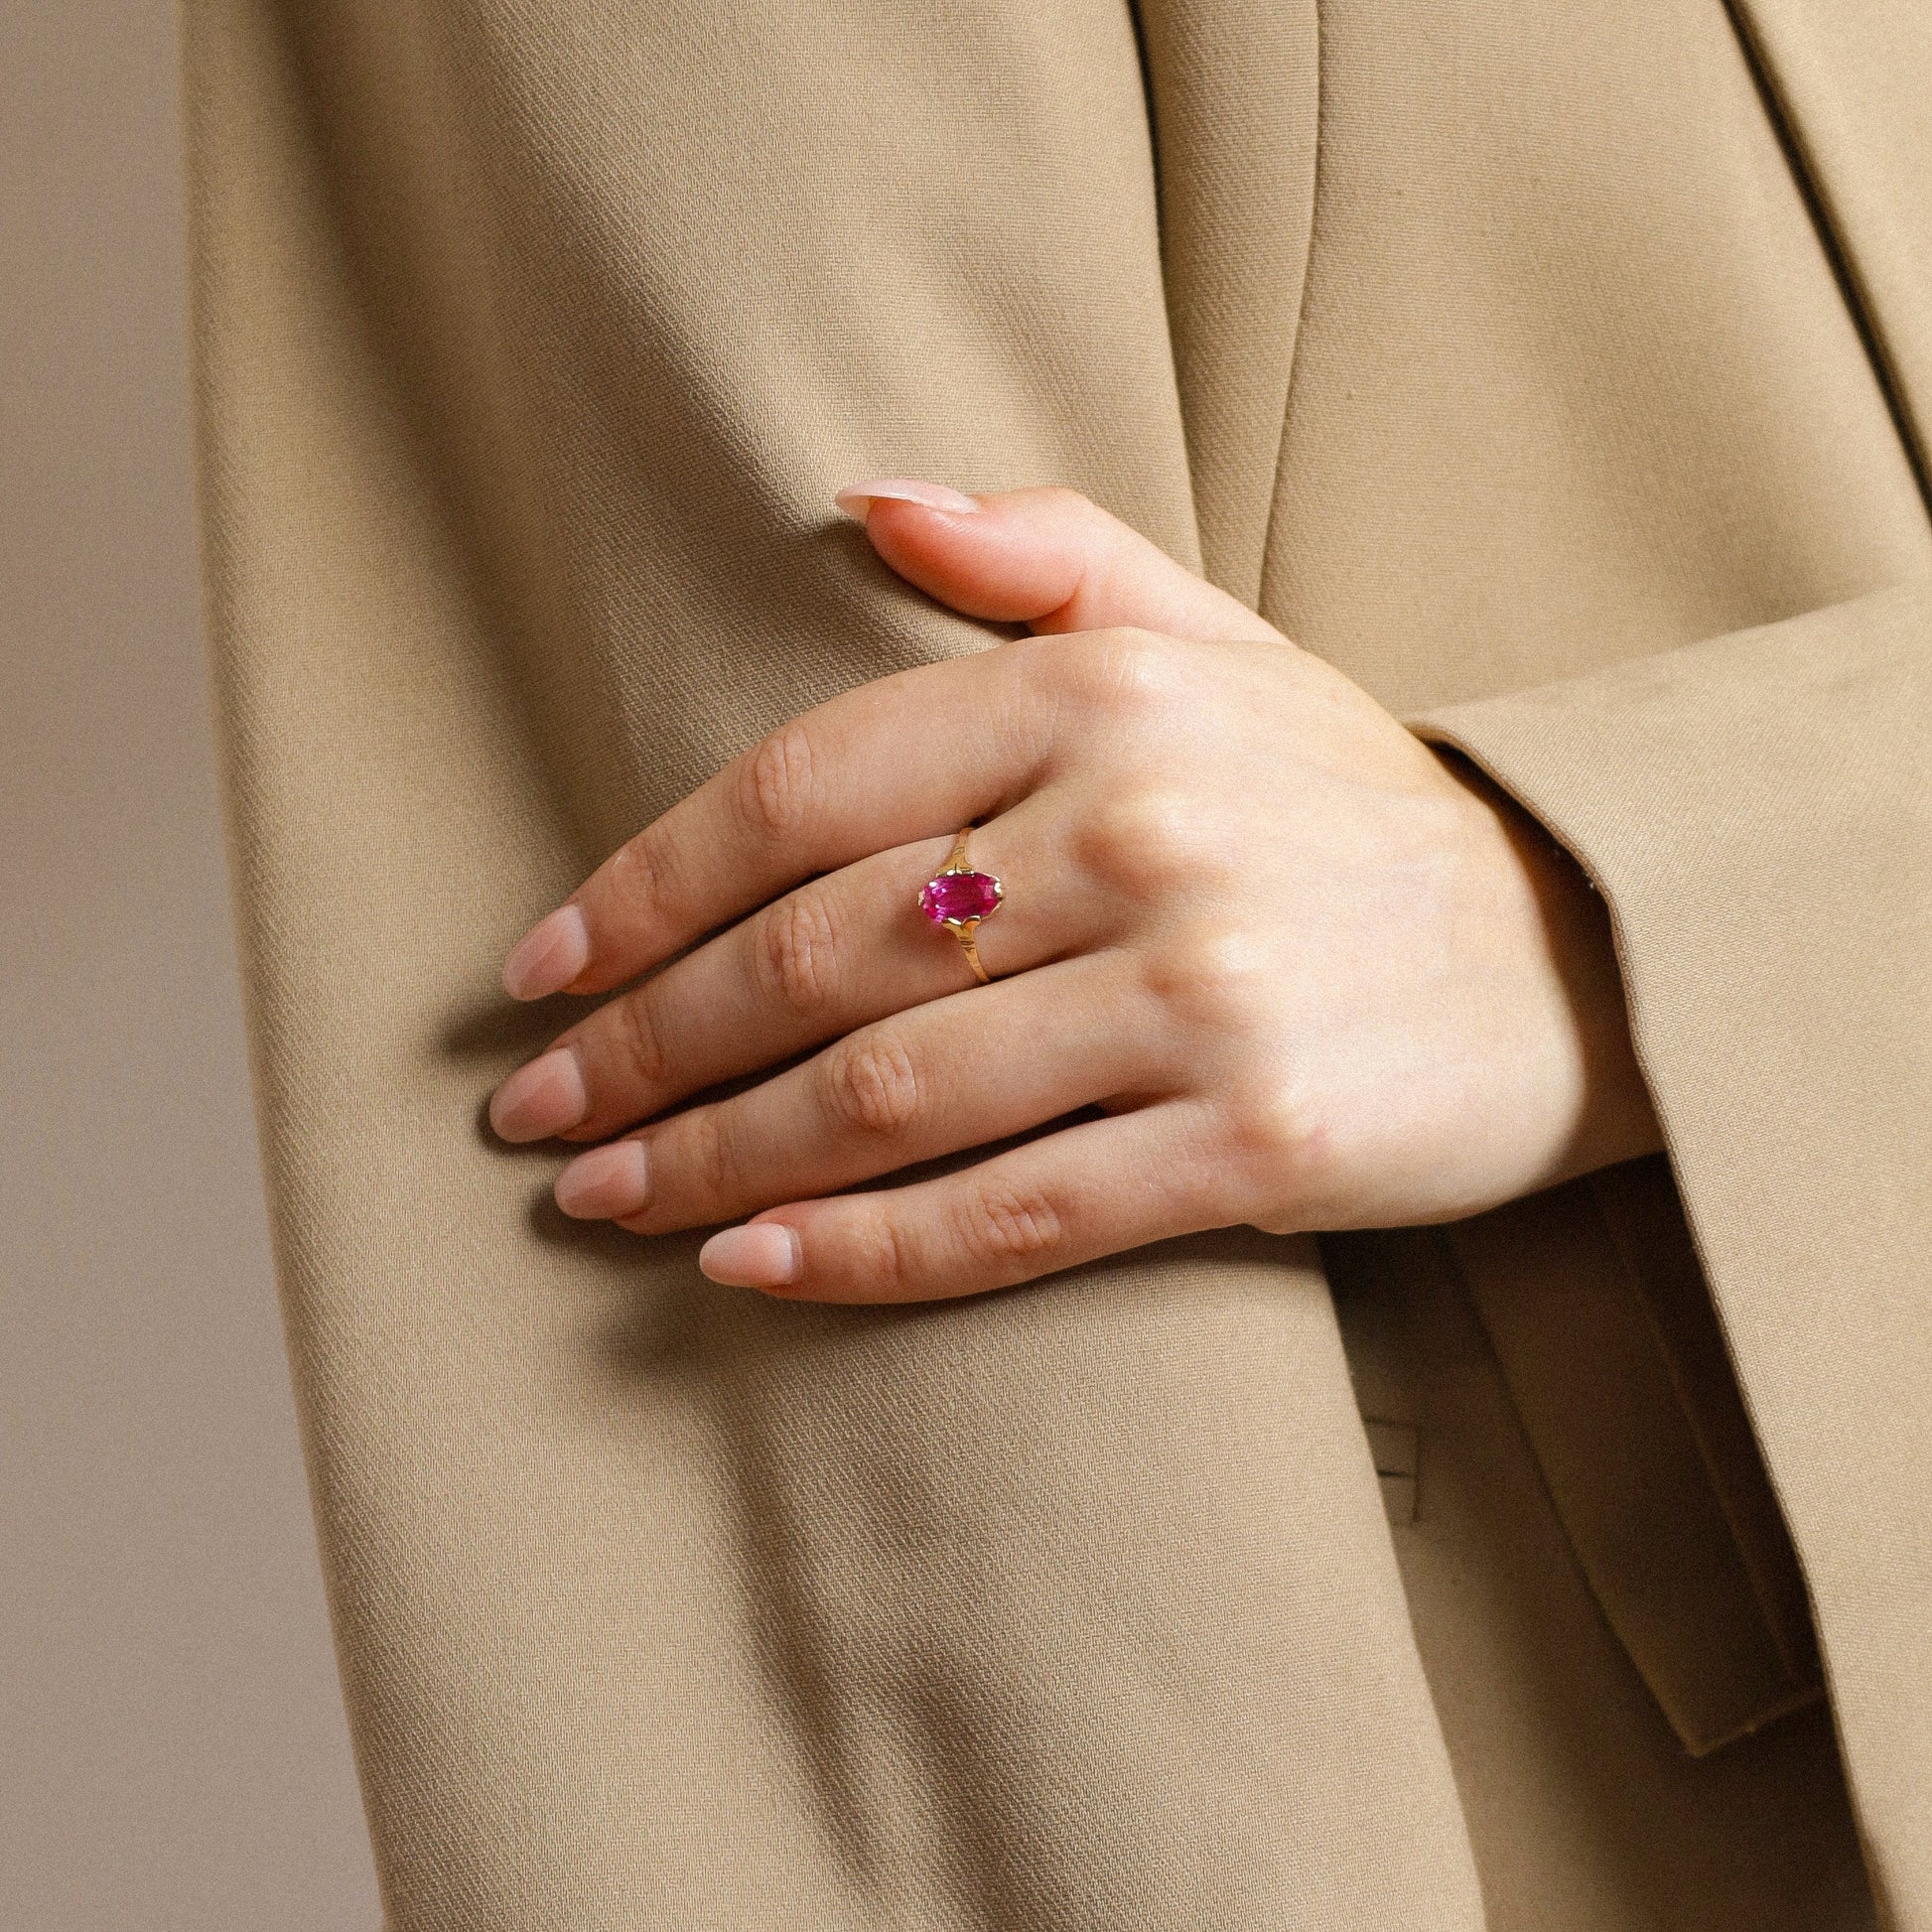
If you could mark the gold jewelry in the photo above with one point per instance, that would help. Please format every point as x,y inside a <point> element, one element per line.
<point>958,897</point>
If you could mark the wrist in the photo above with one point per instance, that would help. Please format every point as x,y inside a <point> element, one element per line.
<point>1616,1118</point>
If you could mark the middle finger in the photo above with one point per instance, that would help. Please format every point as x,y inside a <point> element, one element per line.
<point>954,1073</point>
<point>836,953</point>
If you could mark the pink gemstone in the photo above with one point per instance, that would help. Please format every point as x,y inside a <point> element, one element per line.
<point>953,897</point>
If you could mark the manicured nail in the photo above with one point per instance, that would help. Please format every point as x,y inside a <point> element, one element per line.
<point>549,957</point>
<point>606,1182</point>
<point>857,500</point>
<point>765,1254</point>
<point>540,1099</point>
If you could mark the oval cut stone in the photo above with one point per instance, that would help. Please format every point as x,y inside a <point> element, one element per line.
<point>953,897</point>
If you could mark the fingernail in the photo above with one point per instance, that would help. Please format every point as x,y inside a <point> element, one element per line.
<point>606,1182</point>
<point>549,957</point>
<point>540,1099</point>
<point>765,1254</point>
<point>857,500</point>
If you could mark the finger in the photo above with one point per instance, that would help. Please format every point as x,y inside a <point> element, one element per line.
<point>1049,558</point>
<point>1091,1190</point>
<point>836,953</point>
<point>900,760</point>
<point>955,1073</point>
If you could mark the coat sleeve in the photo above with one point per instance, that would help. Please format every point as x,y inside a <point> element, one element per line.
<point>1757,812</point>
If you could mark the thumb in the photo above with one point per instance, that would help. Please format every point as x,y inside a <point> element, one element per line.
<point>1047,557</point>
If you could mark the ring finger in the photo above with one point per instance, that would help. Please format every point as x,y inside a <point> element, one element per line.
<point>836,953</point>
<point>950,1074</point>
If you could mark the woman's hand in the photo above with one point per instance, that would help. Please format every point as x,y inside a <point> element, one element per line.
<point>1263,955</point>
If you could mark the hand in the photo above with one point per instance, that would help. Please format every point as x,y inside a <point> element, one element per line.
<point>1264,956</point>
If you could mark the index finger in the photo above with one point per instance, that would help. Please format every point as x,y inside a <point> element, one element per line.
<point>906,758</point>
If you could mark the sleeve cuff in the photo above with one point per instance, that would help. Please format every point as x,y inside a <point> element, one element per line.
<point>1755,811</point>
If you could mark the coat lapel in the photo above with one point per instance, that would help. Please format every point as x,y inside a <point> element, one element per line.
<point>1853,82</point>
<point>1233,93</point>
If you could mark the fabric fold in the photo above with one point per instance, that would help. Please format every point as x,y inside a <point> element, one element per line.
<point>1757,812</point>
<point>1611,1354</point>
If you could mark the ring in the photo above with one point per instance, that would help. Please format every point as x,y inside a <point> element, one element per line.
<point>958,897</point>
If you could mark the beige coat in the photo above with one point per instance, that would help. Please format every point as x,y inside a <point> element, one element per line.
<point>1562,371</point>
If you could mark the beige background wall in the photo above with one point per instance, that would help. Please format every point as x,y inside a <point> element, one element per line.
<point>171,1747</point>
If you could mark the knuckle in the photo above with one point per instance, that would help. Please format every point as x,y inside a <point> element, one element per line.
<point>1125,670</point>
<point>797,952</point>
<point>1276,1138</point>
<point>775,786</point>
<point>872,1085</point>
<point>1212,979</point>
<point>640,1037</point>
<point>642,874</point>
<point>878,1255</point>
<point>706,1152</point>
<point>1001,1226</point>
<point>1141,843</point>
